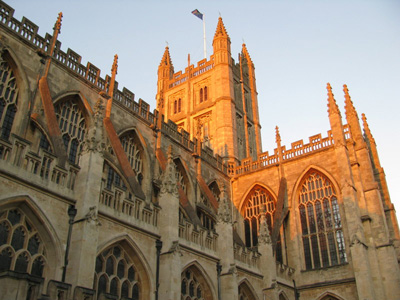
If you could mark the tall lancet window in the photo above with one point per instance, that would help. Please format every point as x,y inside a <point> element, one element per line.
<point>73,127</point>
<point>321,224</point>
<point>8,99</point>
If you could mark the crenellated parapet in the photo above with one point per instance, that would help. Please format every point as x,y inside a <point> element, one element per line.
<point>191,72</point>
<point>298,149</point>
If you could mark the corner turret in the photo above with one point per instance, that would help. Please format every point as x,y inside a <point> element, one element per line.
<point>222,44</point>
<point>165,73</point>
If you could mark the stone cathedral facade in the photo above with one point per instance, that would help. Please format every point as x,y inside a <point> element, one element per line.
<point>102,198</point>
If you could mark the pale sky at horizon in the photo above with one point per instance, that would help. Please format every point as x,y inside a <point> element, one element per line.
<point>296,46</point>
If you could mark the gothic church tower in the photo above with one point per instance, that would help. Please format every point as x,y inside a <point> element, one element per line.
<point>216,101</point>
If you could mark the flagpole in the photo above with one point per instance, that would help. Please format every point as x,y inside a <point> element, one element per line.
<point>204,36</point>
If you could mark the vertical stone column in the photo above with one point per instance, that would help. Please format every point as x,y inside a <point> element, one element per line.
<point>266,251</point>
<point>85,230</point>
<point>358,247</point>
<point>224,228</point>
<point>170,260</point>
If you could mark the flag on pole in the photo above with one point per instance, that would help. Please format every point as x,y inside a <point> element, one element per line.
<point>198,14</point>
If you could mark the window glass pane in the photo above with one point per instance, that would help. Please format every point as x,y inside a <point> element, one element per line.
<point>110,266</point>
<point>22,263</point>
<point>37,267</point>
<point>307,253</point>
<point>18,238</point>
<point>4,230</point>
<point>114,287</point>
<point>8,122</point>
<point>5,260</point>
<point>315,251</point>
<point>332,249</point>
<point>324,250</point>
<point>125,290</point>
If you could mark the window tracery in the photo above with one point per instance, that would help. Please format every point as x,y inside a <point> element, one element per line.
<point>116,274</point>
<point>134,153</point>
<point>73,127</point>
<point>245,293</point>
<point>8,98</point>
<point>21,248</point>
<point>320,220</point>
<point>255,201</point>
<point>180,177</point>
<point>191,288</point>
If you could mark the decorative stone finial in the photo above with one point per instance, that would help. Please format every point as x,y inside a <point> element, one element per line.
<point>367,131</point>
<point>277,136</point>
<point>57,25</point>
<point>114,67</point>
<point>349,107</point>
<point>168,179</point>
<point>332,106</point>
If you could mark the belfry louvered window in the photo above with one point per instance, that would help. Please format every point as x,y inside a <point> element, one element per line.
<point>72,124</point>
<point>321,224</point>
<point>8,99</point>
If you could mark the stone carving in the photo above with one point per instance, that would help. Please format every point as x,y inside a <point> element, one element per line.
<point>202,127</point>
<point>168,178</point>
<point>175,248</point>
<point>224,212</point>
<point>94,141</point>
<point>357,237</point>
<point>263,234</point>
<point>92,216</point>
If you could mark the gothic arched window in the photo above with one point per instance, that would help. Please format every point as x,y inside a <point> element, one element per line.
<point>175,107</point>
<point>191,288</point>
<point>321,225</point>
<point>22,247</point>
<point>245,292</point>
<point>205,93</point>
<point>116,274</point>
<point>73,127</point>
<point>134,151</point>
<point>252,210</point>
<point>8,99</point>
<point>179,105</point>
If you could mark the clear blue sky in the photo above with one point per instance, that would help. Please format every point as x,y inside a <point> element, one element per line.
<point>296,46</point>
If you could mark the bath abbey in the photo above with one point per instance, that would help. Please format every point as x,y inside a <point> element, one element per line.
<point>102,197</point>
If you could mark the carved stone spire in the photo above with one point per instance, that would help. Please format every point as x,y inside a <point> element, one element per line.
<point>246,54</point>
<point>224,212</point>
<point>350,109</point>
<point>221,31</point>
<point>114,72</point>
<point>111,86</point>
<point>263,235</point>
<point>367,131</point>
<point>277,137</point>
<point>332,106</point>
<point>168,179</point>
<point>56,31</point>
<point>166,59</point>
